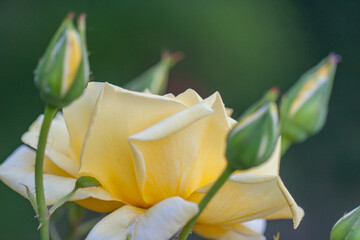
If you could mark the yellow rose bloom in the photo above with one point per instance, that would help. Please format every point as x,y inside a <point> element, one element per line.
<point>155,157</point>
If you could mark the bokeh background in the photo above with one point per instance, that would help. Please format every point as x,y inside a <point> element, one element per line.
<point>239,48</point>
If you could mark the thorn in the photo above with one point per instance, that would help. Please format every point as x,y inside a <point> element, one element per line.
<point>40,225</point>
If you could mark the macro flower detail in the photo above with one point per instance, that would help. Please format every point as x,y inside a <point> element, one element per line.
<point>64,71</point>
<point>155,157</point>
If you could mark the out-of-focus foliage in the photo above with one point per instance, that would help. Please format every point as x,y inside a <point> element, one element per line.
<point>240,48</point>
<point>348,227</point>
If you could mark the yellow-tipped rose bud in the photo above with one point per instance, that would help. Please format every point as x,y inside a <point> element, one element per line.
<point>304,107</point>
<point>63,72</point>
<point>155,79</point>
<point>253,139</point>
<point>348,227</point>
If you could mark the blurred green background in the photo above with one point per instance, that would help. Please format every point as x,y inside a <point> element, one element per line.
<point>239,48</point>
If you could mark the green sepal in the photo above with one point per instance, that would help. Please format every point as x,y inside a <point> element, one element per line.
<point>87,181</point>
<point>252,141</point>
<point>83,75</point>
<point>271,95</point>
<point>155,79</point>
<point>50,69</point>
<point>48,73</point>
<point>40,67</point>
<point>32,199</point>
<point>348,227</point>
<point>314,88</point>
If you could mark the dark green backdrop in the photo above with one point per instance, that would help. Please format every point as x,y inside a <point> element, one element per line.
<point>240,48</point>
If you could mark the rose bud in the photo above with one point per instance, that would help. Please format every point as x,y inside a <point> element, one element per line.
<point>63,72</point>
<point>304,107</point>
<point>253,139</point>
<point>348,227</point>
<point>155,79</point>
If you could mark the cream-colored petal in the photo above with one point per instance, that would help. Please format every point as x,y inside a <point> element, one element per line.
<point>160,222</point>
<point>118,225</point>
<point>229,111</point>
<point>182,152</point>
<point>232,121</point>
<point>99,205</point>
<point>53,169</point>
<point>245,197</point>
<point>170,95</point>
<point>106,152</point>
<point>77,116</point>
<point>189,98</point>
<point>165,152</point>
<point>257,225</point>
<point>218,106</point>
<point>229,231</point>
<point>18,171</point>
<point>57,147</point>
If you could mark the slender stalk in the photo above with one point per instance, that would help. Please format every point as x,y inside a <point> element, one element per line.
<point>204,202</point>
<point>39,169</point>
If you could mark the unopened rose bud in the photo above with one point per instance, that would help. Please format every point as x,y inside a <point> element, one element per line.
<point>348,227</point>
<point>63,72</point>
<point>155,79</point>
<point>304,107</point>
<point>253,139</point>
<point>87,181</point>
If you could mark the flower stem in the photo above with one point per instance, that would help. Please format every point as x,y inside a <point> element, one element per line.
<point>204,202</point>
<point>39,168</point>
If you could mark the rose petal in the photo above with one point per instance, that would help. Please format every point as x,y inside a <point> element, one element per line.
<point>182,152</point>
<point>160,160</point>
<point>189,98</point>
<point>57,147</point>
<point>246,197</point>
<point>106,152</point>
<point>257,225</point>
<point>160,222</point>
<point>229,231</point>
<point>77,116</point>
<point>18,170</point>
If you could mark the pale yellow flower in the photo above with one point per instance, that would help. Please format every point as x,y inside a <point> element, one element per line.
<point>156,155</point>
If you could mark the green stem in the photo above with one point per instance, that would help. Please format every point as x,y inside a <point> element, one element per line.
<point>204,202</point>
<point>39,168</point>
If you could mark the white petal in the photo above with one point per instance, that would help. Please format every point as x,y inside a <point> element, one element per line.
<point>160,222</point>
<point>57,147</point>
<point>229,231</point>
<point>257,225</point>
<point>18,170</point>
